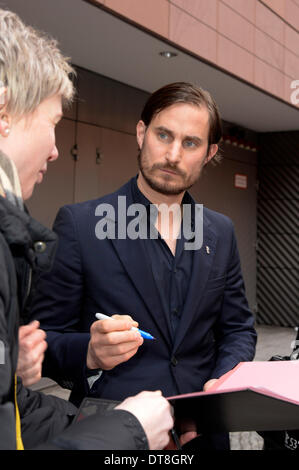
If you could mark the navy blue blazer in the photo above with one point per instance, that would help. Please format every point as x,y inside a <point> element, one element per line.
<point>111,276</point>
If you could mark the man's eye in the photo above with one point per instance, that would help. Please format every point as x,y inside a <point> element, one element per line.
<point>189,144</point>
<point>163,136</point>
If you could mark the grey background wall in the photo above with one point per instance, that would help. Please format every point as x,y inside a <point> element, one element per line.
<point>100,129</point>
<point>278,229</point>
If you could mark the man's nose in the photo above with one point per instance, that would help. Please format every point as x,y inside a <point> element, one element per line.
<point>174,152</point>
<point>54,154</point>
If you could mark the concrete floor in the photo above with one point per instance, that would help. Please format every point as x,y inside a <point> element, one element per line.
<point>271,340</point>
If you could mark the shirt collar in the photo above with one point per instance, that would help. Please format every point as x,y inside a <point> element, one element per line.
<point>138,196</point>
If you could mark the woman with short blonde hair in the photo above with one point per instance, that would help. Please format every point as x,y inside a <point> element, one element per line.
<point>35,84</point>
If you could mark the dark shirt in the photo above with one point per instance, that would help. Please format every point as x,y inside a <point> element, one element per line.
<point>171,272</point>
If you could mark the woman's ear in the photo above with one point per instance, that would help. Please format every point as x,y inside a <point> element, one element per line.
<point>3,92</point>
<point>5,120</point>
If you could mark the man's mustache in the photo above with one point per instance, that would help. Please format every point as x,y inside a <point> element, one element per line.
<point>174,169</point>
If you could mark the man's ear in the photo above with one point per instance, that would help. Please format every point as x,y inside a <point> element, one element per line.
<point>140,133</point>
<point>213,149</point>
<point>5,119</point>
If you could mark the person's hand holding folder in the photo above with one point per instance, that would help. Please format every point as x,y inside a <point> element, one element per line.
<point>186,428</point>
<point>209,384</point>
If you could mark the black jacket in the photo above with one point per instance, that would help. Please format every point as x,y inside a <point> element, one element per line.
<point>27,249</point>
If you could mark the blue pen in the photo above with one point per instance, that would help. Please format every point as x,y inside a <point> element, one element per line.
<point>144,334</point>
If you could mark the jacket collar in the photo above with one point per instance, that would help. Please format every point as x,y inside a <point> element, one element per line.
<point>27,237</point>
<point>10,186</point>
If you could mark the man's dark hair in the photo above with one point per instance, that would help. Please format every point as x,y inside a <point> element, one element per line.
<point>187,93</point>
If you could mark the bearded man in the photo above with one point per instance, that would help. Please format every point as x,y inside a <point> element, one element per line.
<point>184,287</point>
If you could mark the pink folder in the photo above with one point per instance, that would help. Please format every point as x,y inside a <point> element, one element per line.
<point>279,378</point>
<point>254,396</point>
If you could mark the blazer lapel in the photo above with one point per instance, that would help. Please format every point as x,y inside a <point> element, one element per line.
<point>202,263</point>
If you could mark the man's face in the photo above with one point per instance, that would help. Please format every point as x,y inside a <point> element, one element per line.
<point>174,148</point>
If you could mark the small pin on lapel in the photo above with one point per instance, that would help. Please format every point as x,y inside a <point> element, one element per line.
<point>208,249</point>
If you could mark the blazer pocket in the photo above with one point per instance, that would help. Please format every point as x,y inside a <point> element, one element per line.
<point>217,283</point>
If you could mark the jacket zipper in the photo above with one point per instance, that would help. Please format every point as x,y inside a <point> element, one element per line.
<point>29,284</point>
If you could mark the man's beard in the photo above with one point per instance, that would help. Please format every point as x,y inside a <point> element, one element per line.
<point>166,187</point>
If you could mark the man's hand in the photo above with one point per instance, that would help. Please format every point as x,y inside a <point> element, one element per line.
<point>209,384</point>
<point>187,427</point>
<point>154,414</point>
<point>187,431</point>
<point>32,346</point>
<point>112,342</point>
